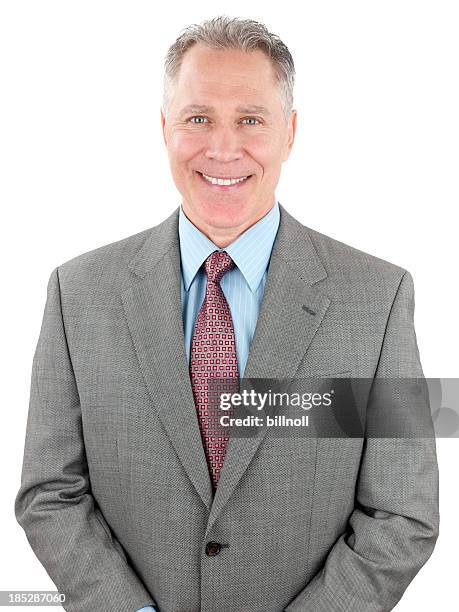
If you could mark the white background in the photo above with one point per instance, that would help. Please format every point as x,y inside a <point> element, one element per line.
<point>375,165</point>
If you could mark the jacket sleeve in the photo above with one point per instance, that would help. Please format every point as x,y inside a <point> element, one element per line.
<point>54,505</point>
<point>395,521</point>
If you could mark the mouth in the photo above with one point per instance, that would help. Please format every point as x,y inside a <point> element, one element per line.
<point>224,184</point>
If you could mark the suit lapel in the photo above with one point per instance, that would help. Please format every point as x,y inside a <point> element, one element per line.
<point>153,312</point>
<point>291,313</point>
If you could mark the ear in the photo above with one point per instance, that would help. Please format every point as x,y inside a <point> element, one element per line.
<point>291,134</point>
<point>163,125</point>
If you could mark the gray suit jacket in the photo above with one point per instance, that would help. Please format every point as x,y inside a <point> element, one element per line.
<point>116,498</point>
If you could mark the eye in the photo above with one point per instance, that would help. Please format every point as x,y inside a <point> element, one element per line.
<point>197,117</point>
<point>251,119</point>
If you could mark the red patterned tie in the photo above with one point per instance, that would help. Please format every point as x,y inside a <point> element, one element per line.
<point>213,355</point>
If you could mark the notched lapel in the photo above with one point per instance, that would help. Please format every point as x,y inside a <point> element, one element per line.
<point>292,311</point>
<point>153,310</point>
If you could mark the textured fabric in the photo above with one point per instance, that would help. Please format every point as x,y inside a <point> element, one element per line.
<point>116,497</point>
<point>243,285</point>
<point>213,355</point>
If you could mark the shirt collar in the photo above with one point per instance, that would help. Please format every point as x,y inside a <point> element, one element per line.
<point>250,251</point>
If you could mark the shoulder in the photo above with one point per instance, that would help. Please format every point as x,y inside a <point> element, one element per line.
<point>349,262</point>
<point>106,264</point>
<point>110,266</point>
<point>349,273</point>
<point>361,279</point>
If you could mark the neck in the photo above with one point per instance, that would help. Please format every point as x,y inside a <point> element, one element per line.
<point>223,236</point>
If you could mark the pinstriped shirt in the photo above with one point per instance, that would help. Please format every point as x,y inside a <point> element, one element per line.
<point>243,285</point>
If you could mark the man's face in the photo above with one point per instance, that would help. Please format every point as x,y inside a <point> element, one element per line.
<point>224,135</point>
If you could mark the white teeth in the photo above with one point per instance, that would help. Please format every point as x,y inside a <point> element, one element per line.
<point>218,181</point>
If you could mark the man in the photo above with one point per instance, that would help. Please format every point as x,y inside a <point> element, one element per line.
<point>128,497</point>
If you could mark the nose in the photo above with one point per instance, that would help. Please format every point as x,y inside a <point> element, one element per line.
<point>224,145</point>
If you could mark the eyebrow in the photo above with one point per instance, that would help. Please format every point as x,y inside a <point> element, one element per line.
<point>201,108</point>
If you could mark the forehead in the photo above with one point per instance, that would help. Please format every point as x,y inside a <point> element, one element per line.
<point>227,75</point>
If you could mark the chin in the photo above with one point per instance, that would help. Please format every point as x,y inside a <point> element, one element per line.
<point>223,214</point>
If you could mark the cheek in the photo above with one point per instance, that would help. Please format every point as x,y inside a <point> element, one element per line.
<point>183,147</point>
<point>264,149</point>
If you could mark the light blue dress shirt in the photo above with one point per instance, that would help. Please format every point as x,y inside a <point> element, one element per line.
<point>243,285</point>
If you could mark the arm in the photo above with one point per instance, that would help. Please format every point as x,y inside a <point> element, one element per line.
<point>394,525</point>
<point>54,505</point>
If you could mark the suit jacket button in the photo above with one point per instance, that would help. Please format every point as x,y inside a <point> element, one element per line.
<point>213,548</point>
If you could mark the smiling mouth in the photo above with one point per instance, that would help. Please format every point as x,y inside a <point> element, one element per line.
<point>224,183</point>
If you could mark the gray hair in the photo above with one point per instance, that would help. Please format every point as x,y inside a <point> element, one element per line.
<point>232,33</point>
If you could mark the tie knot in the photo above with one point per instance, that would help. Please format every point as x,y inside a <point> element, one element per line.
<point>217,264</point>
